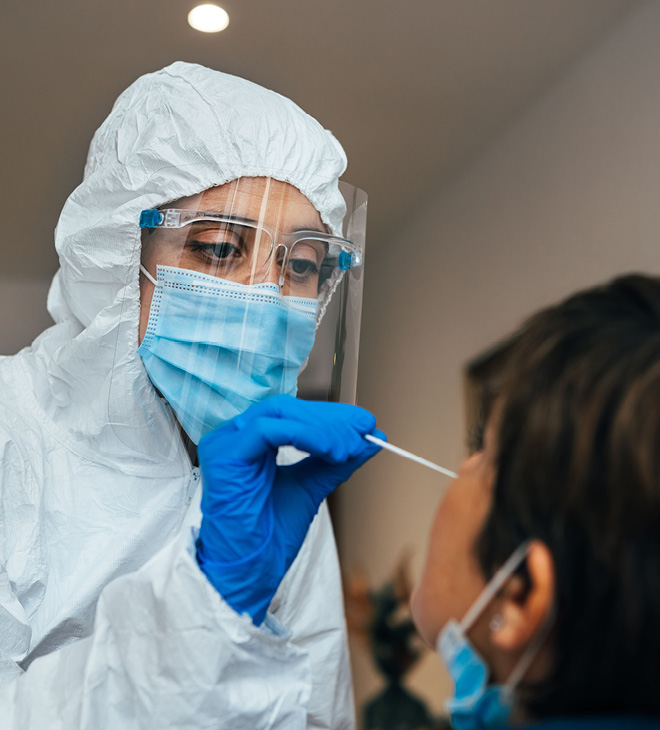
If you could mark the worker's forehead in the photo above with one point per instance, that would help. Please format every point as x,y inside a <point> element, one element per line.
<point>254,197</point>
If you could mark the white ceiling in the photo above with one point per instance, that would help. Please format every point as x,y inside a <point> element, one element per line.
<point>413,89</point>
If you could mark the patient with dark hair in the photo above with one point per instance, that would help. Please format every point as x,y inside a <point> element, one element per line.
<point>541,588</point>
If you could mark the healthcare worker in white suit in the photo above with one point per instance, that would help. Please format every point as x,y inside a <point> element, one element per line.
<point>208,258</point>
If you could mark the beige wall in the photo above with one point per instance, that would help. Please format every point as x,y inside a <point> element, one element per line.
<point>567,196</point>
<point>23,312</point>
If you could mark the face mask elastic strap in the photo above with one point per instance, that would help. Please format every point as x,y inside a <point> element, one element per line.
<point>529,655</point>
<point>148,275</point>
<point>494,586</point>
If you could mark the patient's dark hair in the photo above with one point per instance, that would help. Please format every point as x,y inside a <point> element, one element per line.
<point>578,467</point>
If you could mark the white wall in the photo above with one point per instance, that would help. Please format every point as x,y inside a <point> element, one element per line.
<point>567,196</point>
<point>23,312</point>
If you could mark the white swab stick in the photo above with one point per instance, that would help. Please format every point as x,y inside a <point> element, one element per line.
<point>407,455</point>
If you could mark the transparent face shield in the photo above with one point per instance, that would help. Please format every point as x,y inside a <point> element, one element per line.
<point>247,293</point>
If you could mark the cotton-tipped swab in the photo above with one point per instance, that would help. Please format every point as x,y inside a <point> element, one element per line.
<point>407,455</point>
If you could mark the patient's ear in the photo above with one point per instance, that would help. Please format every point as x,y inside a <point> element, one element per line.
<point>524,608</point>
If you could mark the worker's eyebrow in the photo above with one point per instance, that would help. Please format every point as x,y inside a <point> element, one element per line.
<point>242,219</point>
<point>313,228</point>
<point>227,216</point>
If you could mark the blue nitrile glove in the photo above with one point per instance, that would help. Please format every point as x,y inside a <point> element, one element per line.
<point>255,513</point>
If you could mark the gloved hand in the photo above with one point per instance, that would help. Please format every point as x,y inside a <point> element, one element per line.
<point>255,513</point>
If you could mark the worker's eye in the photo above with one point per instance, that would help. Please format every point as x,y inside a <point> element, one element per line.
<point>302,269</point>
<point>219,244</point>
<point>224,251</point>
<point>305,259</point>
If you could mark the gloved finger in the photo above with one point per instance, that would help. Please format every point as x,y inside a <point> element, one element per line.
<point>337,443</point>
<point>379,435</point>
<point>334,431</point>
<point>319,476</point>
<point>311,412</point>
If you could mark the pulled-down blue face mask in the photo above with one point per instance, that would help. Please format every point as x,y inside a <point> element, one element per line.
<point>476,705</point>
<point>213,347</point>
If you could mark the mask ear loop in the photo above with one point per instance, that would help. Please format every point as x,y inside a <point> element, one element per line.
<point>494,586</point>
<point>530,653</point>
<point>148,275</point>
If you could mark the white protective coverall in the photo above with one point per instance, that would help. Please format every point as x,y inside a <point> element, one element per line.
<point>106,621</point>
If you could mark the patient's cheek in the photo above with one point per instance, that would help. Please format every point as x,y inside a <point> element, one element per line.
<point>422,615</point>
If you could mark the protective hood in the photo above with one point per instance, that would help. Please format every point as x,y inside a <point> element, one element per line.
<point>173,133</point>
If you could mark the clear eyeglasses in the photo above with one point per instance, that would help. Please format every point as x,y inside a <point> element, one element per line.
<point>240,249</point>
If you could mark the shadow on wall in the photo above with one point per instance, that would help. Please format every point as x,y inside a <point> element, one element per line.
<point>24,315</point>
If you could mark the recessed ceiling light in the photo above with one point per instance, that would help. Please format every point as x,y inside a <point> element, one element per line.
<point>208,18</point>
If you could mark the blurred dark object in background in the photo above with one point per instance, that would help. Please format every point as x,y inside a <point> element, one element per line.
<point>381,620</point>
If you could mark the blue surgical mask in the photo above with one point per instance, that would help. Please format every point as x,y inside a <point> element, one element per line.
<point>213,347</point>
<point>476,705</point>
